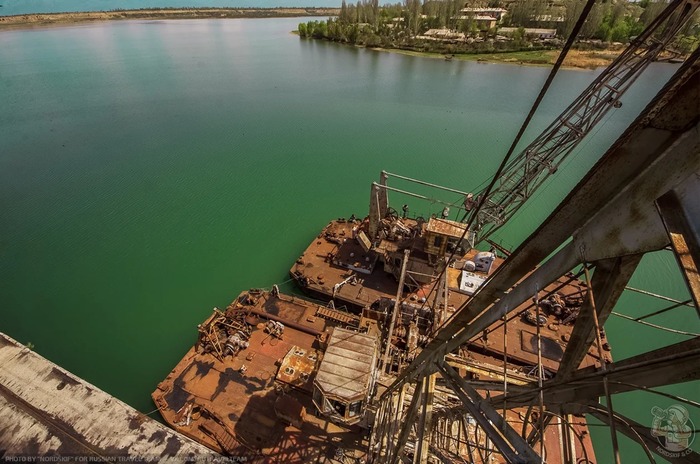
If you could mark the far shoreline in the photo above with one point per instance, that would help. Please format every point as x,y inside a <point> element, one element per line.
<point>29,21</point>
<point>578,59</point>
<point>582,60</point>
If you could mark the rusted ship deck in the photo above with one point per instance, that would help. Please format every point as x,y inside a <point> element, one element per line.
<point>331,268</point>
<point>257,403</point>
<point>326,264</point>
<point>247,390</point>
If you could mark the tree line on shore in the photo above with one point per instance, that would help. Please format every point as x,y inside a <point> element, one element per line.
<point>403,25</point>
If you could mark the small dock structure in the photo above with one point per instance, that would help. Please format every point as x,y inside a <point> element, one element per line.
<point>346,375</point>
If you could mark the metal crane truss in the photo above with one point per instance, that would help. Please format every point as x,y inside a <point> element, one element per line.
<point>379,197</point>
<point>642,196</point>
<point>526,172</point>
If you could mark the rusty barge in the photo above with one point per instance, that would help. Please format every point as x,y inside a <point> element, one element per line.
<point>275,378</point>
<point>430,268</point>
<point>278,378</point>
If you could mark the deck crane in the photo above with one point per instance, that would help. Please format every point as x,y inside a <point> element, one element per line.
<point>526,172</point>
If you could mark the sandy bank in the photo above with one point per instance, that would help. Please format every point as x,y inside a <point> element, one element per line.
<point>21,21</point>
<point>576,59</point>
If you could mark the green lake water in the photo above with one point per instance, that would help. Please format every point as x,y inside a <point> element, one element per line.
<point>150,171</point>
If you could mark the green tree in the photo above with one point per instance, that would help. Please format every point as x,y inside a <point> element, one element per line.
<point>375,13</point>
<point>317,29</point>
<point>651,11</point>
<point>344,13</point>
<point>595,20</point>
<point>352,33</point>
<point>573,9</point>
<point>526,12</point>
<point>620,32</point>
<point>519,37</point>
<point>413,8</point>
<point>619,11</point>
<point>453,12</point>
<point>468,26</point>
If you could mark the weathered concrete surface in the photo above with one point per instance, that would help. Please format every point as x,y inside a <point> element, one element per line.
<point>47,411</point>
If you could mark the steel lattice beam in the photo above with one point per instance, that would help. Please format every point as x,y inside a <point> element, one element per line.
<point>514,448</point>
<point>527,171</point>
<point>669,365</point>
<point>609,281</point>
<point>683,227</point>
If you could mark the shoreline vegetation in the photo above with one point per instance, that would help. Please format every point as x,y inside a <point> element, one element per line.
<point>583,57</point>
<point>530,32</point>
<point>48,19</point>
<point>396,29</point>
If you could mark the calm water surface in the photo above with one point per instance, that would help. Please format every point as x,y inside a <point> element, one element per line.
<point>150,171</point>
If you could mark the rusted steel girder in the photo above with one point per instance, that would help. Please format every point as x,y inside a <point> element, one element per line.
<point>681,217</point>
<point>669,365</point>
<point>608,283</point>
<point>425,420</point>
<point>378,204</point>
<point>410,417</point>
<point>513,447</point>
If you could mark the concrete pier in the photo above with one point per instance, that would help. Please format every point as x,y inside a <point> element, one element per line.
<point>45,411</point>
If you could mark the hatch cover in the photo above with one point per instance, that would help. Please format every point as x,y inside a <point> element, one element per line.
<point>550,348</point>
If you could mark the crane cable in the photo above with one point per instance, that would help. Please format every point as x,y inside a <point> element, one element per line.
<point>560,60</point>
